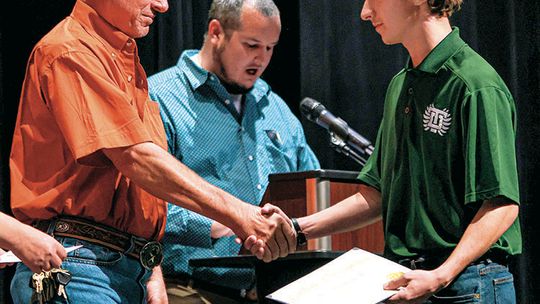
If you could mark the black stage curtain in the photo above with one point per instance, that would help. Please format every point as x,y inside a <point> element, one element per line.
<point>326,52</point>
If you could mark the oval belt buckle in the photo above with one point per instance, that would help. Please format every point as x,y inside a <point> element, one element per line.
<point>151,255</point>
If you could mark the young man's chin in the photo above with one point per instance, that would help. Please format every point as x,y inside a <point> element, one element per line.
<point>236,88</point>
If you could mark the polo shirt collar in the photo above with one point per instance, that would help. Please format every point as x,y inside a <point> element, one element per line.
<point>197,76</point>
<point>93,22</point>
<point>436,59</point>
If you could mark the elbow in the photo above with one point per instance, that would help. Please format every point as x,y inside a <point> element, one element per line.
<point>124,158</point>
<point>513,211</point>
<point>505,206</point>
<point>509,212</point>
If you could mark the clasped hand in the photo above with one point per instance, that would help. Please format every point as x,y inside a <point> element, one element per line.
<point>274,236</point>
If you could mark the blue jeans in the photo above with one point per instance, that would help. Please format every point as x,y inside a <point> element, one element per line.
<point>488,283</point>
<point>99,275</point>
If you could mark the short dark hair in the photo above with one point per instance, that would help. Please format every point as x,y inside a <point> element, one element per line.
<point>444,7</point>
<point>229,12</point>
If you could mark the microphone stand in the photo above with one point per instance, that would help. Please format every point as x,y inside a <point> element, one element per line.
<point>339,145</point>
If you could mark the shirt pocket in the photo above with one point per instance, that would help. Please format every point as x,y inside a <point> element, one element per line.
<point>280,155</point>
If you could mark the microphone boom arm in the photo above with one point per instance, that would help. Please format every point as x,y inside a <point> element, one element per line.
<point>340,146</point>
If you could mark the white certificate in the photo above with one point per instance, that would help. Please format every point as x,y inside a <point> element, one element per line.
<point>357,277</point>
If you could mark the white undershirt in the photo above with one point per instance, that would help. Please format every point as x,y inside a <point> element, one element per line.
<point>237,100</point>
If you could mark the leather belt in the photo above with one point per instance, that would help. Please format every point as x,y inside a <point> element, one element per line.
<point>149,253</point>
<point>429,262</point>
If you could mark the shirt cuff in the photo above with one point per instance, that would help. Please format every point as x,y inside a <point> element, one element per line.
<point>188,228</point>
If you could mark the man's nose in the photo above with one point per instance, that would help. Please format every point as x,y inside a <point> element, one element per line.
<point>160,5</point>
<point>366,12</point>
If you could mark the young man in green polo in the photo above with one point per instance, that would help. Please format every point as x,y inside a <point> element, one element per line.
<point>443,174</point>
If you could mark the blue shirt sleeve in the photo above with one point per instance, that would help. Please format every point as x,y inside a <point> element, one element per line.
<point>186,228</point>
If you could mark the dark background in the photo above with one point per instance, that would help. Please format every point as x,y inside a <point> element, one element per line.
<point>326,52</point>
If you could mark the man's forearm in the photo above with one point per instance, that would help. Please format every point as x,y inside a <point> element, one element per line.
<point>9,233</point>
<point>159,173</point>
<point>354,212</point>
<point>490,222</point>
<point>163,176</point>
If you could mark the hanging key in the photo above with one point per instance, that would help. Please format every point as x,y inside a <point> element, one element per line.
<point>61,277</point>
<point>49,287</point>
<point>36,283</point>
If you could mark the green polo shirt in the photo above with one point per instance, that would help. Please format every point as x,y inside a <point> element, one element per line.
<point>446,143</point>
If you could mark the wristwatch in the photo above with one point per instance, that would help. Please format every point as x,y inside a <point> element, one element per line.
<point>301,239</point>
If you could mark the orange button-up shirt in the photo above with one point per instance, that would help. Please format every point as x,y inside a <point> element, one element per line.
<point>84,90</point>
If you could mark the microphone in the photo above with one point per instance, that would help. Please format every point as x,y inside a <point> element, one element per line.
<point>317,113</point>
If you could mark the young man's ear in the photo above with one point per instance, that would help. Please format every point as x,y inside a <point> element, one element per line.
<point>215,31</point>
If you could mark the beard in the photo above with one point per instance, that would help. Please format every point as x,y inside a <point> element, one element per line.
<point>230,85</point>
<point>233,87</point>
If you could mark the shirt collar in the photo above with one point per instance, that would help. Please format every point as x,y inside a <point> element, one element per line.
<point>93,22</point>
<point>436,59</point>
<point>198,76</point>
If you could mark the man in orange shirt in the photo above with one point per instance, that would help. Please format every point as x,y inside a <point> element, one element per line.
<point>89,162</point>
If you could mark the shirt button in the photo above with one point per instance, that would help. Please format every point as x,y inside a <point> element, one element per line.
<point>113,55</point>
<point>250,157</point>
<point>227,102</point>
<point>129,43</point>
<point>407,110</point>
<point>242,129</point>
<point>259,186</point>
<point>129,78</point>
<point>411,91</point>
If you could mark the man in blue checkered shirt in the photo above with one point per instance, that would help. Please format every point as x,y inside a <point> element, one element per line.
<point>226,124</point>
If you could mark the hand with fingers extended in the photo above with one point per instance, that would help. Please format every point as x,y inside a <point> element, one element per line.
<point>270,234</point>
<point>282,242</point>
<point>415,286</point>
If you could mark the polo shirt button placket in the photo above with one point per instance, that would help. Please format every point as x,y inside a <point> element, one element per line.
<point>410,92</point>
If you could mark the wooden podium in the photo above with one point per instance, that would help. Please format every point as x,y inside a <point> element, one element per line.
<point>302,193</point>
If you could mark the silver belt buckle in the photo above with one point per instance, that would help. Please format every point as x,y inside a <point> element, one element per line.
<point>151,255</point>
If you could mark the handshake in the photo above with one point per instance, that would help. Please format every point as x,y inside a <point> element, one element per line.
<point>267,232</point>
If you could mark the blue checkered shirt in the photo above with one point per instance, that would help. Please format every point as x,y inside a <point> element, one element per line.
<point>233,152</point>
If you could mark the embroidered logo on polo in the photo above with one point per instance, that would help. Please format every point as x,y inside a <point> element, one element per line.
<point>436,120</point>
